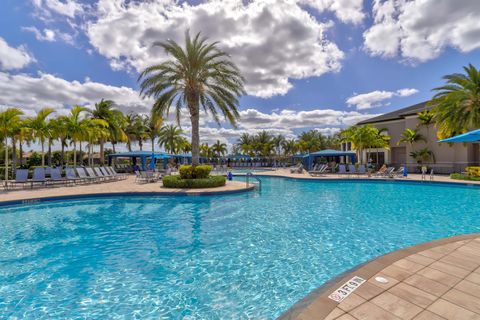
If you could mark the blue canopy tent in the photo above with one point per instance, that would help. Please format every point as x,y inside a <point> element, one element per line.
<point>310,158</point>
<point>238,157</point>
<point>472,136</point>
<point>142,155</point>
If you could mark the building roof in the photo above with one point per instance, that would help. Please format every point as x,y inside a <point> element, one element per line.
<point>398,114</point>
<point>140,154</point>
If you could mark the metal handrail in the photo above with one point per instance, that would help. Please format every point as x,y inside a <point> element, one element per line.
<point>247,180</point>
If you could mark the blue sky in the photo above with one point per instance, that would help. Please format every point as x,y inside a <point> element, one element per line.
<point>321,64</point>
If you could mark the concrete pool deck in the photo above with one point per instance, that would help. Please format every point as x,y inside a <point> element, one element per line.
<point>285,172</point>
<point>431,281</point>
<point>122,187</point>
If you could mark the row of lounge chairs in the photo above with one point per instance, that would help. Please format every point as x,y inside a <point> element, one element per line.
<point>72,176</point>
<point>390,172</point>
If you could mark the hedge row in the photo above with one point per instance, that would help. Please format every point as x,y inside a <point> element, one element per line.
<point>178,182</point>
<point>459,176</point>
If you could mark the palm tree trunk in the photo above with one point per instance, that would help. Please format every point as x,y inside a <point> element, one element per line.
<point>195,119</point>
<point>49,153</point>
<point>14,154</point>
<point>20,149</point>
<point>140,144</point>
<point>6,162</point>
<point>74,153</point>
<point>80,162</point>
<point>63,153</point>
<point>102,154</point>
<point>153,145</point>
<point>43,154</point>
<point>113,149</point>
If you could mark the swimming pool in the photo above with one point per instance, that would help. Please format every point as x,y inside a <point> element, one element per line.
<point>250,255</point>
<point>246,170</point>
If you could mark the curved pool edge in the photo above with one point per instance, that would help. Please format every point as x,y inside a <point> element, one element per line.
<point>412,178</point>
<point>109,194</point>
<point>317,305</point>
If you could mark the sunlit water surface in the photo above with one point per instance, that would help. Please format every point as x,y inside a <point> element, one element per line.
<point>250,255</point>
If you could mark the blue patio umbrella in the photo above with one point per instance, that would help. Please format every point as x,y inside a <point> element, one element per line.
<point>471,136</point>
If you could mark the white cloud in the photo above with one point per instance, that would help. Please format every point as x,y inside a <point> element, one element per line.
<point>419,30</point>
<point>32,93</point>
<point>13,58</point>
<point>348,11</point>
<point>46,35</point>
<point>68,8</point>
<point>46,90</point>
<point>271,41</point>
<point>374,99</point>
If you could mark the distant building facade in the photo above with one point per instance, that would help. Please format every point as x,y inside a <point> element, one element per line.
<point>448,157</point>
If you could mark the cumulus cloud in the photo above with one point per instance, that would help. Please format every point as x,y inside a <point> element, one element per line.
<point>348,11</point>
<point>46,35</point>
<point>271,41</point>
<point>419,30</point>
<point>46,90</point>
<point>68,8</point>
<point>374,99</point>
<point>13,58</point>
<point>50,35</point>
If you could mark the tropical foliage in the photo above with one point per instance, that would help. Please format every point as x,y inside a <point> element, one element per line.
<point>456,105</point>
<point>411,136</point>
<point>364,138</point>
<point>199,75</point>
<point>266,144</point>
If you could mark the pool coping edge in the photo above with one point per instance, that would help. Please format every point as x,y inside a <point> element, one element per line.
<point>365,270</point>
<point>124,194</point>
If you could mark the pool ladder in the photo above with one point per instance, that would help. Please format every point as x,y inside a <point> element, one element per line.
<point>247,180</point>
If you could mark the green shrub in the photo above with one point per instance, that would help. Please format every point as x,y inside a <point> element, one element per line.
<point>178,182</point>
<point>459,176</point>
<point>194,172</point>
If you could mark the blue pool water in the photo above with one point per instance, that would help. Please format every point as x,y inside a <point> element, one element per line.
<point>250,255</point>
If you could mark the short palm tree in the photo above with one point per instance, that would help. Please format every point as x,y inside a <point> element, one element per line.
<point>41,128</point>
<point>411,136</point>
<point>361,138</point>
<point>170,138</point>
<point>199,75</point>
<point>456,105</point>
<point>422,155</point>
<point>289,147</point>
<point>133,129</point>
<point>152,125</point>
<point>219,149</point>
<point>105,110</point>
<point>77,127</point>
<point>9,122</point>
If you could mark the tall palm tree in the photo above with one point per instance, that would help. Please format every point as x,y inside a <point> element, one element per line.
<point>411,136</point>
<point>278,143</point>
<point>219,149</point>
<point>40,128</point>
<point>61,133</point>
<point>133,129</point>
<point>456,105</point>
<point>105,110</point>
<point>152,125</point>
<point>199,75</point>
<point>170,138</point>
<point>76,126</point>
<point>9,122</point>
<point>206,151</point>
<point>289,147</point>
<point>245,143</point>
<point>361,137</point>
